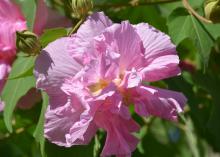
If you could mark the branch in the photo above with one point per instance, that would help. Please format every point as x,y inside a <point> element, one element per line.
<point>194,13</point>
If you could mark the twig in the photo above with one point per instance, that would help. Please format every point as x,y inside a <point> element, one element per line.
<point>194,13</point>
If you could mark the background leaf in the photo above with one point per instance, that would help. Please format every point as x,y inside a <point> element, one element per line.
<point>50,35</point>
<point>182,25</point>
<point>15,89</point>
<point>39,131</point>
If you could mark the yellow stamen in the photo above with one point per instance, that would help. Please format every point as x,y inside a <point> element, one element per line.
<point>97,87</point>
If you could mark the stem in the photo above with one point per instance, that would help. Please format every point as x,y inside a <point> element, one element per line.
<point>119,5</point>
<point>194,13</point>
<point>74,29</point>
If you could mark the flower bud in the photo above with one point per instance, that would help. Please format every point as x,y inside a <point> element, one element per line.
<point>28,43</point>
<point>212,10</point>
<point>81,7</point>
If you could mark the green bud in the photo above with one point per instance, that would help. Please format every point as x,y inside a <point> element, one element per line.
<point>212,10</point>
<point>28,43</point>
<point>81,8</point>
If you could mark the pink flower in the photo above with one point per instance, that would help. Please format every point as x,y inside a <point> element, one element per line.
<point>94,76</point>
<point>9,24</point>
<point>15,21</point>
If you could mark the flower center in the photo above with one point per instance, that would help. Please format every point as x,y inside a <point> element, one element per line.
<point>97,87</point>
<point>118,80</point>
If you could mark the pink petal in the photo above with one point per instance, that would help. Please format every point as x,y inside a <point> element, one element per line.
<point>94,25</point>
<point>101,68</point>
<point>111,100</point>
<point>70,124</point>
<point>119,141</point>
<point>161,67</point>
<point>159,102</point>
<point>7,6</point>
<point>41,17</point>
<point>131,79</point>
<point>53,66</point>
<point>161,57</point>
<point>9,24</point>
<point>122,39</point>
<point>81,47</point>
<point>84,129</point>
<point>79,115</point>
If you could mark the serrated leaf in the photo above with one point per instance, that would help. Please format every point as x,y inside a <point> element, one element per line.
<point>50,35</point>
<point>182,25</point>
<point>39,131</point>
<point>15,89</point>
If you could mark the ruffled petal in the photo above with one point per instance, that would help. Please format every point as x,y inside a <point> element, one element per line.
<point>82,47</point>
<point>161,60</point>
<point>58,123</point>
<point>122,39</point>
<point>158,102</point>
<point>84,129</point>
<point>94,25</point>
<point>119,141</point>
<point>52,67</point>
<point>131,79</point>
<point>70,124</point>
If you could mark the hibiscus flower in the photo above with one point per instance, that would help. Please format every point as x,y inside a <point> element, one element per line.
<point>94,76</point>
<point>12,20</point>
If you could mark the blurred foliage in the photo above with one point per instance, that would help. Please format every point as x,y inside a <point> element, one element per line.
<point>198,45</point>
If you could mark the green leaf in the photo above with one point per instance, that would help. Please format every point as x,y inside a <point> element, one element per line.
<point>50,35</point>
<point>15,89</point>
<point>214,30</point>
<point>39,132</point>
<point>183,25</point>
<point>28,72</point>
<point>29,8</point>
